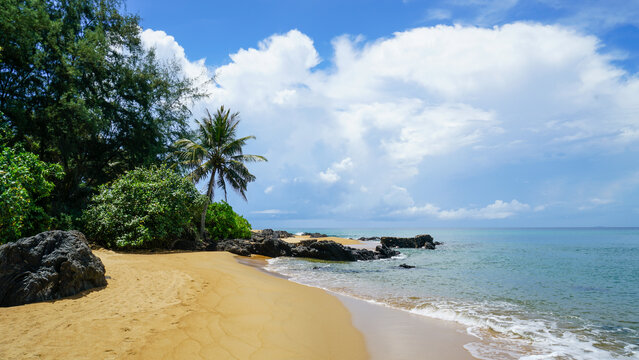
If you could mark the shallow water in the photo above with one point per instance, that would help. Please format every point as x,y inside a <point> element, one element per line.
<point>523,293</point>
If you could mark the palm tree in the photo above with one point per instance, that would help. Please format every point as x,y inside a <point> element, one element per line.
<point>216,152</point>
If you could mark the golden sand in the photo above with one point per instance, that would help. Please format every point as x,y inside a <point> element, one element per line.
<point>200,305</point>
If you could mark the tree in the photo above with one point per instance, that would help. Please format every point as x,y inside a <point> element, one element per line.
<point>80,90</point>
<point>217,153</point>
<point>25,181</point>
<point>144,208</point>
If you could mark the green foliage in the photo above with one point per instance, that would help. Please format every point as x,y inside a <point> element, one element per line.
<point>145,208</point>
<point>217,153</point>
<point>223,223</point>
<point>24,184</point>
<point>81,90</point>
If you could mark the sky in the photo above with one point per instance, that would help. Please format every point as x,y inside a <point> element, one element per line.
<point>463,113</point>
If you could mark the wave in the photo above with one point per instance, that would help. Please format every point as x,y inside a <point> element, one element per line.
<point>503,330</point>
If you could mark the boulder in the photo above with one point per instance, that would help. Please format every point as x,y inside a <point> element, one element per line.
<point>419,241</point>
<point>315,235</point>
<point>406,266</point>
<point>323,250</point>
<point>269,234</point>
<point>47,266</point>
<point>385,252</point>
<point>374,238</point>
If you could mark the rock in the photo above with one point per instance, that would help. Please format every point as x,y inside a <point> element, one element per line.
<point>323,250</point>
<point>270,234</point>
<point>236,246</point>
<point>406,266</point>
<point>272,248</point>
<point>315,235</point>
<point>374,238</point>
<point>47,266</point>
<point>419,241</point>
<point>385,252</point>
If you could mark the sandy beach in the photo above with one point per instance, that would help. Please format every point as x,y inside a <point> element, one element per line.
<point>183,306</point>
<point>209,305</point>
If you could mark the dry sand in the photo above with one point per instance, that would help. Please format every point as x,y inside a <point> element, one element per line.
<point>297,238</point>
<point>183,306</point>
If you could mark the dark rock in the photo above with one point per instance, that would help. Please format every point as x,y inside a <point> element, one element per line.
<point>406,266</point>
<point>419,241</point>
<point>272,248</point>
<point>270,234</point>
<point>374,238</point>
<point>323,250</point>
<point>315,235</point>
<point>385,252</point>
<point>236,246</point>
<point>47,266</point>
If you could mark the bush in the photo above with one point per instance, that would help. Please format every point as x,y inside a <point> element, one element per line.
<point>24,183</point>
<point>145,208</point>
<point>223,223</point>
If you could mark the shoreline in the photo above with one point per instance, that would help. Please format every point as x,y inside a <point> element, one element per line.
<point>392,333</point>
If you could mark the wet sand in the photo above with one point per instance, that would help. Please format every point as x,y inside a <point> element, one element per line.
<point>399,335</point>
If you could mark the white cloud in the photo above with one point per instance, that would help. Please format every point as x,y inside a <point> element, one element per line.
<point>268,190</point>
<point>497,210</point>
<point>270,212</point>
<point>398,197</point>
<point>383,112</point>
<point>329,176</point>
<point>438,14</point>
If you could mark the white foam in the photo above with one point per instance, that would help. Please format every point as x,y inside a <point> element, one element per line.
<point>501,333</point>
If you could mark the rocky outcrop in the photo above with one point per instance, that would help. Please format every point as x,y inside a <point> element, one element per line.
<point>406,266</point>
<point>270,234</point>
<point>314,249</point>
<point>48,266</point>
<point>315,235</point>
<point>374,238</point>
<point>330,250</point>
<point>419,241</point>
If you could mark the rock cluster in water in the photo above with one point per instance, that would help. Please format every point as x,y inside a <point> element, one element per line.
<point>419,241</point>
<point>315,235</point>
<point>47,266</point>
<point>267,242</point>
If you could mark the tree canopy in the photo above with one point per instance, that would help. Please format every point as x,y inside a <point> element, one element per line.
<point>217,153</point>
<point>80,90</point>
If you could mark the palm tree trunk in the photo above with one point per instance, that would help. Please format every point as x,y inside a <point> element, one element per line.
<point>209,199</point>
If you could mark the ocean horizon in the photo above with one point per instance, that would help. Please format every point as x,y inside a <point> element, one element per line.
<point>523,293</point>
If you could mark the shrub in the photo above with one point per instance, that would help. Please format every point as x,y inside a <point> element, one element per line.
<point>145,208</point>
<point>24,183</point>
<point>223,223</point>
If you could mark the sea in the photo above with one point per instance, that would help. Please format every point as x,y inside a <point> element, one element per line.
<point>528,294</point>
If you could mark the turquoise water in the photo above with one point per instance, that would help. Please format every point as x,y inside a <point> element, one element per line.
<point>523,293</point>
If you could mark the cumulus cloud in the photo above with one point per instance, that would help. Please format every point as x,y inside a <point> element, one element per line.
<point>331,175</point>
<point>497,210</point>
<point>389,112</point>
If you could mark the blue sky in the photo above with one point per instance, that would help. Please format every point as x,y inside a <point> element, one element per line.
<point>422,113</point>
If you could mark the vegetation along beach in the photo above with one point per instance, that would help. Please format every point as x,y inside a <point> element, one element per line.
<point>319,180</point>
